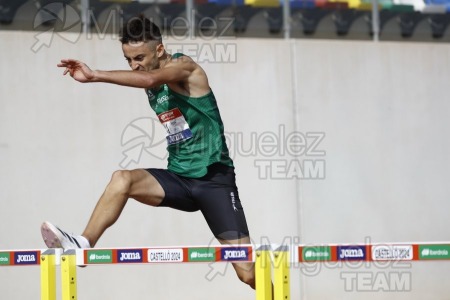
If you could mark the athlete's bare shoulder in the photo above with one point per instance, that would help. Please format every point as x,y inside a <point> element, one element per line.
<point>196,83</point>
<point>185,62</point>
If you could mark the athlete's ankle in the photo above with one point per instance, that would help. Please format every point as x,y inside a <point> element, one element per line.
<point>84,242</point>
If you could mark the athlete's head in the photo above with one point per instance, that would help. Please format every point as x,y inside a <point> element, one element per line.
<point>142,44</point>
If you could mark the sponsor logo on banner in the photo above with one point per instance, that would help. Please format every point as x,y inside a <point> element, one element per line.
<point>202,254</point>
<point>4,258</point>
<point>129,256</point>
<point>351,252</point>
<point>392,252</point>
<point>318,253</point>
<point>26,258</point>
<point>99,256</point>
<point>234,254</point>
<point>165,255</point>
<point>434,251</point>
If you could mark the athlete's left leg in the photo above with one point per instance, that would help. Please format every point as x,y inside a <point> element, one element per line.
<point>245,270</point>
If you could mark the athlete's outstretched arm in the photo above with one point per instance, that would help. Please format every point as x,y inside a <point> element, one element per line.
<point>175,72</point>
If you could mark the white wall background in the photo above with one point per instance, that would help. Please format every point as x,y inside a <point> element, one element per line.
<point>382,107</point>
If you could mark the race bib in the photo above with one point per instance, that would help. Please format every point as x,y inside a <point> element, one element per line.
<point>176,126</point>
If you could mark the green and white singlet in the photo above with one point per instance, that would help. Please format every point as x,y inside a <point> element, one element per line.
<point>195,132</point>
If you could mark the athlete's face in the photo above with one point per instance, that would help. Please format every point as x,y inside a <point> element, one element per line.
<point>143,56</point>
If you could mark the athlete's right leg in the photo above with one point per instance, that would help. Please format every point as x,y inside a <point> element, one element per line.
<point>137,184</point>
<point>245,270</point>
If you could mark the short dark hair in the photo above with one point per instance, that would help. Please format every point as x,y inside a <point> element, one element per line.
<point>140,29</point>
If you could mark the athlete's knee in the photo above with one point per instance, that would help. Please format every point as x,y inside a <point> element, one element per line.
<point>120,181</point>
<point>247,277</point>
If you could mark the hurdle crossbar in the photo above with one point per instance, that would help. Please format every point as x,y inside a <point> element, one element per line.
<point>265,257</point>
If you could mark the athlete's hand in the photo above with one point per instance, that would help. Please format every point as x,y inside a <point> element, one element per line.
<point>77,69</point>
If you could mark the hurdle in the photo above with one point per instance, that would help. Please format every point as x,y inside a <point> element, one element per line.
<point>272,263</point>
<point>263,257</point>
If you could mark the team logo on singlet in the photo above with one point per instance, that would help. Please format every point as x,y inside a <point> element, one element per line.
<point>150,95</point>
<point>162,99</point>
<point>176,126</point>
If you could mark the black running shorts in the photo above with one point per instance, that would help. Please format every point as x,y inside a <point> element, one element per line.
<point>214,194</point>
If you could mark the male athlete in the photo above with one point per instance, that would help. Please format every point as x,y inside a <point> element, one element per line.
<point>200,174</point>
